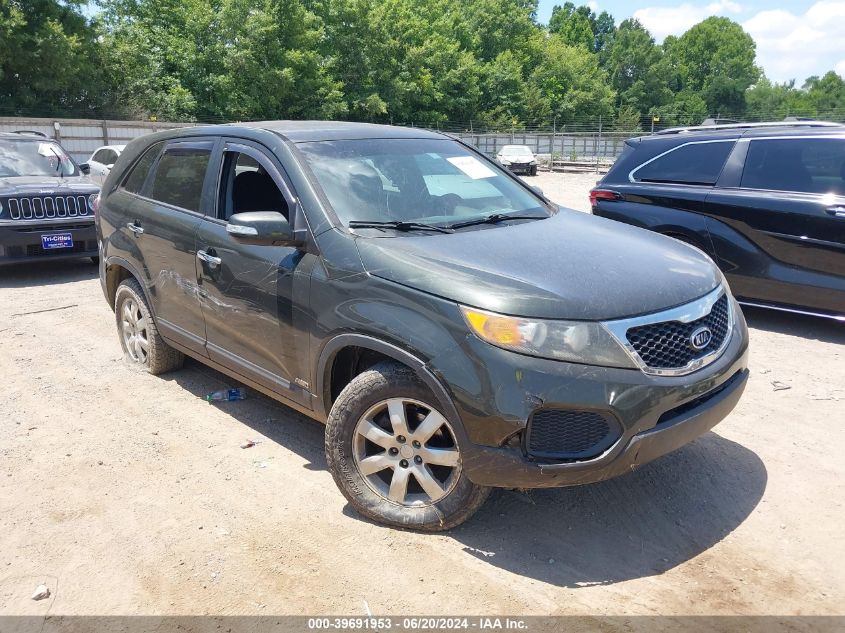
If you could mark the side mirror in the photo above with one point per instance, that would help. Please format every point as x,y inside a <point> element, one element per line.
<point>538,191</point>
<point>85,168</point>
<point>262,228</point>
<point>109,166</point>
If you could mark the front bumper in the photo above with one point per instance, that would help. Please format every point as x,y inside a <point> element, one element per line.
<point>656,414</point>
<point>21,241</point>
<point>520,168</point>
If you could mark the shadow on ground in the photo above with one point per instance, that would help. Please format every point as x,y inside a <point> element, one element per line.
<point>637,525</point>
<point>809,327</point>
<point>46,273</point>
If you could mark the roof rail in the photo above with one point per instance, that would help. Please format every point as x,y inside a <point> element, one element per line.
<point>747,126</point>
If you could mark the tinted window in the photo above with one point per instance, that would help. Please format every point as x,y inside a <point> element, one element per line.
<point>179,177</point>
<point>138,175</point>
<point>804,165</point>
<point>694,164</point>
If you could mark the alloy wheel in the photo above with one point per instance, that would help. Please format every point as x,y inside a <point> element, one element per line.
<point>133,326</point>
<point>407,452</point>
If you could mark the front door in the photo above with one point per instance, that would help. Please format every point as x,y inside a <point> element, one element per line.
<point>251,296</point>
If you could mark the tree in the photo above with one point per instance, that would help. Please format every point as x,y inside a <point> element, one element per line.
<point>637,70</point>
<point>766,101</point>
<point>218,59</point>
<point>579,26</point>
<point>49,59</point>
<point>571,82</point>
<point>714,59</point>
<point>827,95</point>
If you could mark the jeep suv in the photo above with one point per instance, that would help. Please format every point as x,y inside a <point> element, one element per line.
<point>765,201</point>
<point>46,202</point>
<point>453,329</point>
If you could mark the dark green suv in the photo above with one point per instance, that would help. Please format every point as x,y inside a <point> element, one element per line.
<point>453,328</point>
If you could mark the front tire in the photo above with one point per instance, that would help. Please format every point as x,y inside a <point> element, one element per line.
<point>142,344</point>
<point>395,457</point>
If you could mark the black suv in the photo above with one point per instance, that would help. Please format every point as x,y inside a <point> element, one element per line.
<point>765,201</point>
<point>46,202</point>
<point>453,328</point>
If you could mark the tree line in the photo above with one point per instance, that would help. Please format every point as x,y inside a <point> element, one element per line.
<point>454,64</point>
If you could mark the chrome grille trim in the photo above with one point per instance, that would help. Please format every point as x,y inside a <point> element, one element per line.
<point>685,314</point>
<point>25,208</point>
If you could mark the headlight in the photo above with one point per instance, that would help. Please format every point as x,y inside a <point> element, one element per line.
<point>504,161</point>
<point>574,341</point>
<point>533,162</point>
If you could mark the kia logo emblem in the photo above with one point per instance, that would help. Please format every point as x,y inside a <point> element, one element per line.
<point>700,338</point>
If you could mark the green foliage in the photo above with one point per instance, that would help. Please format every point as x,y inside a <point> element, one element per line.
<point>638,71</point>
<point>49,59</point>
<point>714,59</point>
<point>827,95</point>
<point>481,63</point>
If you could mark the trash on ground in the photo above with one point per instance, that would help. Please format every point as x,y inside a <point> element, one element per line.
<point>41,592</point>
<point>777,385</point>
<point>227,395</point>
<point>250,443</point>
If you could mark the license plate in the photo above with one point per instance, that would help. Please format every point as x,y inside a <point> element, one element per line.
<point>59,240</point>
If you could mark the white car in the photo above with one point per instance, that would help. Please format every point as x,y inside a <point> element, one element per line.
<point>518,158</point>
<point>101,162</point>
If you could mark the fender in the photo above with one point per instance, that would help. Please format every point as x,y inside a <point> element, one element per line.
<point>119,261</point>
<point>334,345</point>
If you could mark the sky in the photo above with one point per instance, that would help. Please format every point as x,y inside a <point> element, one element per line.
<point>795,38</point>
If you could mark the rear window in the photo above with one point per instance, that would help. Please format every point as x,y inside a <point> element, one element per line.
<point>180,175</point>
<point>802,165</point>
<point>691,164</point>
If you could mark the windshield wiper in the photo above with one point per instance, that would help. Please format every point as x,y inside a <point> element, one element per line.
<point>494,218</point>
<point>58,159</point>
<point>398,225</point>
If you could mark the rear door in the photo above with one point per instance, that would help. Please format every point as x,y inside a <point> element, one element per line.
<point>779,232</point>
<point>164,222</point>
<point>253,296</point>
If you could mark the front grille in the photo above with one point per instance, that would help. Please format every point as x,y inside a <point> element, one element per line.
<point>667,345</point>
<point>570,435</point>
<point>47,207</point>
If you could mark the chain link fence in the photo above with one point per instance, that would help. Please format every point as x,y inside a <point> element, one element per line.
<point>583,150</point>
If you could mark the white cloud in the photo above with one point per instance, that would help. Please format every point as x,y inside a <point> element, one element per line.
<point>793,46</point>
<point>663,21</point>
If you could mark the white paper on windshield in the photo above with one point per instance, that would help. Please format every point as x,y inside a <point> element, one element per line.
<point>472,167</point>
<point>45,149</point>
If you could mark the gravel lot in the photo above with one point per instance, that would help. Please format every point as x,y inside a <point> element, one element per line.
<point>127,494</point>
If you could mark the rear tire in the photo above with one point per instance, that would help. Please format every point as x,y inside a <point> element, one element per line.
<point>142,344</point>
<point>395,457</point>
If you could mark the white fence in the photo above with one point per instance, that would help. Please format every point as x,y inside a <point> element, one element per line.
<point>80,137</point>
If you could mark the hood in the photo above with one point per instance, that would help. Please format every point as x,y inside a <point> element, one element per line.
<point>35,185</point>
<point>570,266</point>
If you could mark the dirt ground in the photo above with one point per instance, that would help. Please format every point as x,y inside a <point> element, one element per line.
<point>128,494</point>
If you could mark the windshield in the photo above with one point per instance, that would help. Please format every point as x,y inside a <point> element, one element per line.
<point>431,181</point>
<point>516,150</point>
<point>27,157</point>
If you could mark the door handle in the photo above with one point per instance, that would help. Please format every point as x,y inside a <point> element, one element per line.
<point>837,211</point>
<point>211,260</point>
<point>135,228</point>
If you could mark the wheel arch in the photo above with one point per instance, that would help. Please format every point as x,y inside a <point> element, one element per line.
<point>334,349</point>
<point>117,270</point>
